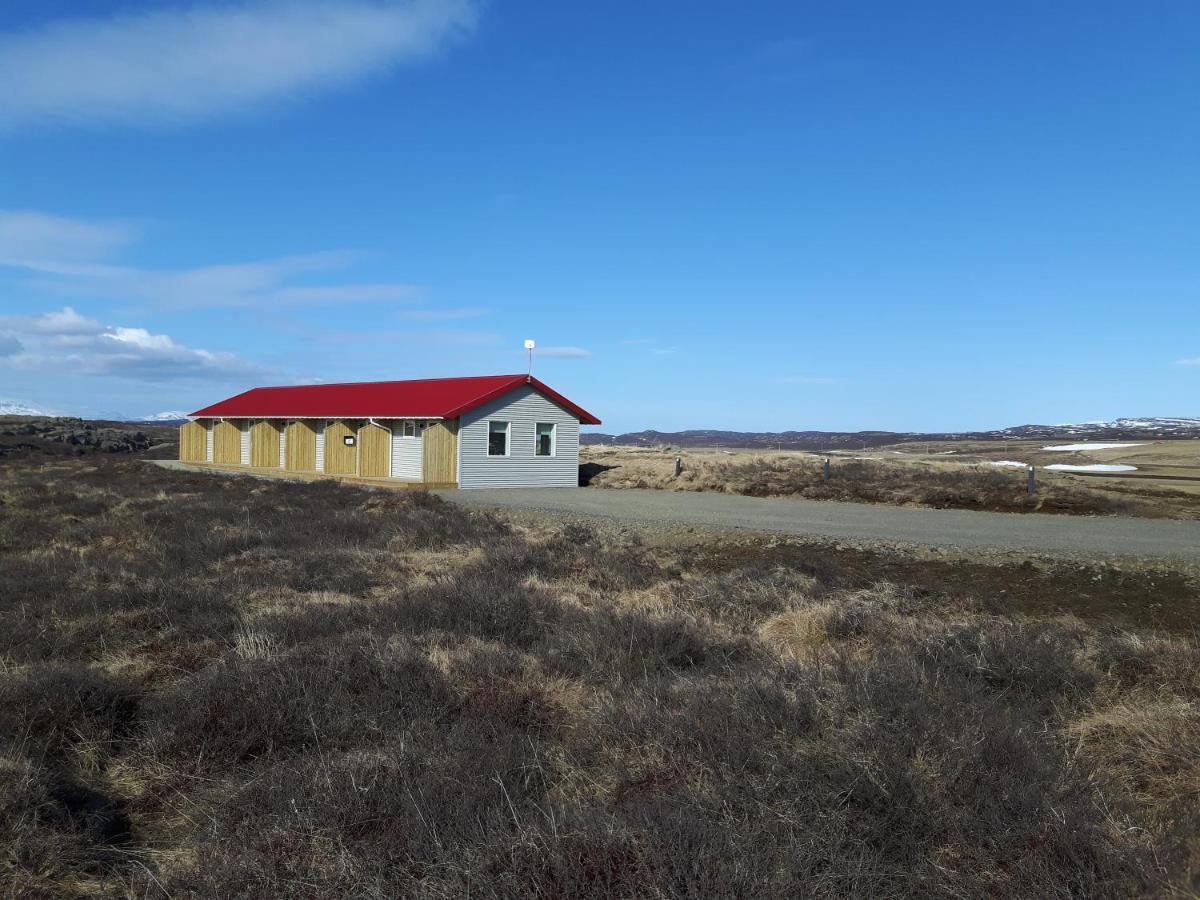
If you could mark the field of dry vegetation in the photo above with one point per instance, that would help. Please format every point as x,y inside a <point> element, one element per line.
<point>935,483</point>
<point>233,688</point>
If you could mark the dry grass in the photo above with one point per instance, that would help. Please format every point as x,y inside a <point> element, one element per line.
<point>228,688</point>
<point>930,483</point>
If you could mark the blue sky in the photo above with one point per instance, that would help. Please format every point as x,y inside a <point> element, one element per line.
<point>751,216</point>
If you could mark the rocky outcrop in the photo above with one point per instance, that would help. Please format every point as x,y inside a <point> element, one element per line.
<point>62,436</point>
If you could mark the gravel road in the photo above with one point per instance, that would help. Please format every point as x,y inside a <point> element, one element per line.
<point>1071,535</point>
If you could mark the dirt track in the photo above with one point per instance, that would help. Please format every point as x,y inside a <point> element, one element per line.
<point>1067,535</point>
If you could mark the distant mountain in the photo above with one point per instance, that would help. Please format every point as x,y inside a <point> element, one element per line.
<point>1163,427</point>
<point>1118,429</point>
<point>171,417</point>
<point>20,408</point>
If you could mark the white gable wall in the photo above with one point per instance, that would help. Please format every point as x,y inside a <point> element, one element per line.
<point>522,408</point>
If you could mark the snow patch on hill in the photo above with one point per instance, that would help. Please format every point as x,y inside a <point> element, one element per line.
<point>20,408</point>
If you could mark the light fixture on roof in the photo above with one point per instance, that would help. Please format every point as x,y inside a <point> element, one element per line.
<point>529,345</point>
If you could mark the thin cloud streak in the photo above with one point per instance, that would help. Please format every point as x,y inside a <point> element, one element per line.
<point>435,315</point>
<point>562,352</point>
<point>29,235</point>
<point>67,257</point>
<point>180,65</point>
<point>256,284</point>
<point>807,379</point>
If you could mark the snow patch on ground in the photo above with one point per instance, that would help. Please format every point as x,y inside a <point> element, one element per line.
<point>1096,467</point>
<point>1009,462</point>
<point>1072,448</point>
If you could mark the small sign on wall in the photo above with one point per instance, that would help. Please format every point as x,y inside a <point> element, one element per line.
<point>348,440</point>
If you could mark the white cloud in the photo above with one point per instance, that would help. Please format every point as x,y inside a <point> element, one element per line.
<point>1193,361</point>
<point>562,352</point>
<point>188,63</point>
<point>27,236</point>
<point>67,342</point>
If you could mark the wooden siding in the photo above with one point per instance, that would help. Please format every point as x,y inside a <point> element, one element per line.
<point>227,444</point>
<point>193,440</point>
<point>374,451</point>
<point>301,442</point>
<point>264,444</point>
<point>439,452</point>
<point>340,459</point>
<point>522,409</point>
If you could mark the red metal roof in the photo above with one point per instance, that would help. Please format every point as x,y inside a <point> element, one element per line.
<point>428,398</point>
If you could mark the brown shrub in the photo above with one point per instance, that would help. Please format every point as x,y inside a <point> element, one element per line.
<point>311,707</point>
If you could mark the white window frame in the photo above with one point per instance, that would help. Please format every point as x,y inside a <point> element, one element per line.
<point>507,439</point>
<point>553,439</point>
<point>409,428</point>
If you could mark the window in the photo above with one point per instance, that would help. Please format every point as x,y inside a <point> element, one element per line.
<point>543,440</point>
<point>409,426</point>
<point>497,439</point>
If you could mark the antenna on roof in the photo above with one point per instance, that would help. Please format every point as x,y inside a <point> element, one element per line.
<point>529,345</point>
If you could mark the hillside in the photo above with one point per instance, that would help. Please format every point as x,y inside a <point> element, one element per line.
<point>1118,429</point>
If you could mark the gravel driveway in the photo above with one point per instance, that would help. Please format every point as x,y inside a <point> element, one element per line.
<point>1074,535</point>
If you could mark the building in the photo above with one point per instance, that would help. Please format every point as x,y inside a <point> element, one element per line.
<point>489,431</point>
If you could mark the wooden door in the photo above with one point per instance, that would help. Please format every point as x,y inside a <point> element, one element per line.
<point>300,449</point>
<point>439,457</point>
<point>341,448</point>
<point>193,442</point>
<point>227,444</point>
<point>264,444</point>
<point>374,451</point>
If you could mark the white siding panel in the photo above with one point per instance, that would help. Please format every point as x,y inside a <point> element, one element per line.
<point>521,468</point>
<point>283,446</point>
<point>320,446</point>
<point>406,453</point>
<point>245,442</point>
<point>208,440</point>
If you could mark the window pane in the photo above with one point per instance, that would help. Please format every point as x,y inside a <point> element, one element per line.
<point>408,428</point>
<point>497,438</point>
<point>544,441</point>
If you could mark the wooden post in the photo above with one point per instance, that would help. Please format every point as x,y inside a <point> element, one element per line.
<point>678,466</point>
<point>825,469</point>
<point>1032,481</point>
